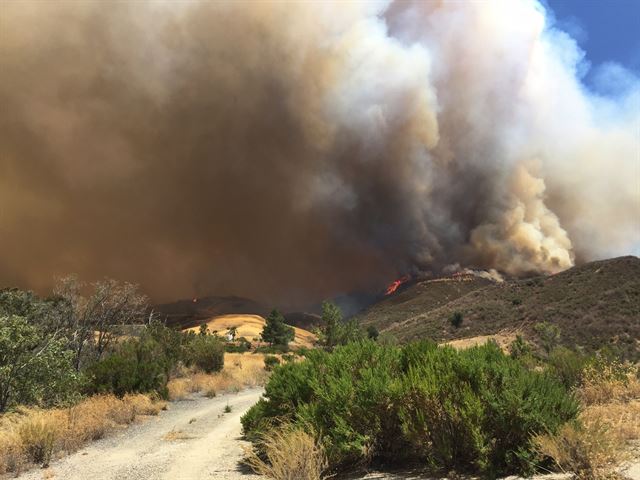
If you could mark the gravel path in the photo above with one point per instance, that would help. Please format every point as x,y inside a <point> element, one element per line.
<point>193,440</point>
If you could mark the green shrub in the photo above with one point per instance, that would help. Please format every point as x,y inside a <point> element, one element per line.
<point>472,411</point>
<point>206,352</point>
<point>271,362</point>
<point>520,348</point>
<point>255,421</point>
<point>548,334</point>
<point>136,366</point>
<point>241,345</point>
<point>372,332</point>
<point>456,319</point>
<point>567,365</point>
<point>272,349</point>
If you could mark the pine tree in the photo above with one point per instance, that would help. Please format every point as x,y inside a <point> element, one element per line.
<point>275,331</point>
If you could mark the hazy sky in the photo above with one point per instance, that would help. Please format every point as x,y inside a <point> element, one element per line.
<point>292,151</point>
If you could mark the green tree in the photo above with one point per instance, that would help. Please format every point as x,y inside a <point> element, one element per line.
<point>335,331</point>
<point>35,367</point>
<point>275,331</point>
<point>232,332</point>
<point>332,319</point>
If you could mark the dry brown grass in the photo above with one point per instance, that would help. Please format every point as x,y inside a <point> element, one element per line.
<point>11,452</point>
<point>614,383</point>
<point>35,436</point>
<point>250,327</point>
<point>240,371</point>
<point>291,454</point>
<point>595,446</point>
<point>502,339</point>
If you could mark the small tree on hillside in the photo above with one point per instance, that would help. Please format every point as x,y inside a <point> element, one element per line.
<point>335,331</point>
<point>456,319</point>
<point>232,332</point>
<point>332,319</point>
<point>275,331</point>
<point>549,335</point>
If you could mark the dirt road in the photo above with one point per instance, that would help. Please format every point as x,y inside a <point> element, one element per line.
<point>193,440</point>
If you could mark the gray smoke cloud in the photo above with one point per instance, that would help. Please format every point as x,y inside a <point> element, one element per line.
<point>290,151</point>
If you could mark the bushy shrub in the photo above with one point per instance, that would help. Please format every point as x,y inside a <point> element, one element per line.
<point>548,335</point>
<point>206,352</point>
<point>241,345</point>
<point>136,366</point>
<point>271,362</point>
<point>471,410</point>
<point>372,332</point>
<point>520,348</point>
<point>567,365</point>
<point>456,319</point>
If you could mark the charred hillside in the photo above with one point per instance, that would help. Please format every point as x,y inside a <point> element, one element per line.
<point>594,304</point>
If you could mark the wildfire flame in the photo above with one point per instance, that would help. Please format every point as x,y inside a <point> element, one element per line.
<point>396,284</point>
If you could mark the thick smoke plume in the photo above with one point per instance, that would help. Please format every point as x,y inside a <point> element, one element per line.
<point>294,150</point>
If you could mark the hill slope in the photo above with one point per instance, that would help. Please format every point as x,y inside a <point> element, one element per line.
<point>250,327</point>
<point>194,312</point>
<point>593,304</point>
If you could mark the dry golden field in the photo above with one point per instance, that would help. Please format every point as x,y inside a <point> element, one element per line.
<point>241,370</point>
<point>250,327</point>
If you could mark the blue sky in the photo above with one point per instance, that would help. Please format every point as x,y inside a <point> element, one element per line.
<point>607,30</point>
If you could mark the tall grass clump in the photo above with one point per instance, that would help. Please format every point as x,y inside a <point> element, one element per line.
<point>35,436</point>
<point>289,453</point>
<point>593,446</point>
<point>472,411</point>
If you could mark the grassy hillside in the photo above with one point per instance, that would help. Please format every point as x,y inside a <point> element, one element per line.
<point>250,327</point>
<point>194,312</point>
<point>593,304</point>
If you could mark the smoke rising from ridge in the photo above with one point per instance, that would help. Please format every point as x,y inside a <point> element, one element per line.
<point>290,151</point>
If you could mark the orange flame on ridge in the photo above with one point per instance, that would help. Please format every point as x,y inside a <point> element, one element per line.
<point>396,284</point>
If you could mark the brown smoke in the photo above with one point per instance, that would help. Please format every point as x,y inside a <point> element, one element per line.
<point>290,151</point>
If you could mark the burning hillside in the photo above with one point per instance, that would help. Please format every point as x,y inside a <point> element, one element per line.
<point>289,152</point>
